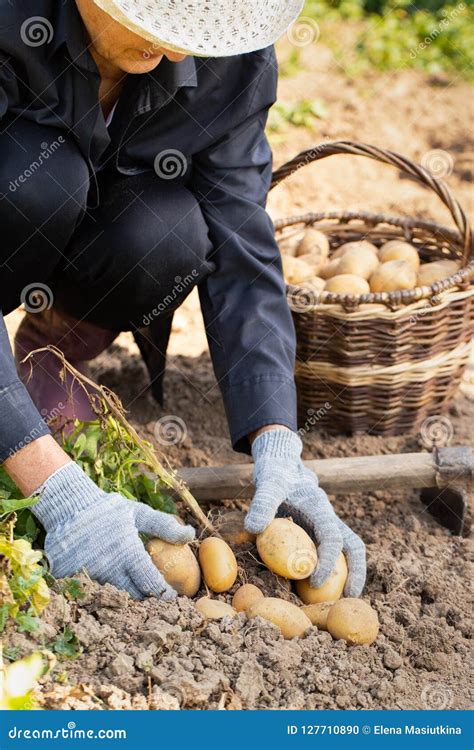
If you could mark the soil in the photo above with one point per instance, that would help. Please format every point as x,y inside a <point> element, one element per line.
<point>164,655</point>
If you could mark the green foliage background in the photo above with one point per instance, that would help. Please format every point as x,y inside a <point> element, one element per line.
<point>389,34</point>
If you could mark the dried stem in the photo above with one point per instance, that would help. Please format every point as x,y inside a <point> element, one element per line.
<point>108,401</point>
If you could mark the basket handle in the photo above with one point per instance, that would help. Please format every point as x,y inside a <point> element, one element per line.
<point>419,173</point>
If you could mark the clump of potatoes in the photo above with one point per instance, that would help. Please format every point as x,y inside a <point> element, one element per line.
<point>359,267</point>
<point>288,551</point>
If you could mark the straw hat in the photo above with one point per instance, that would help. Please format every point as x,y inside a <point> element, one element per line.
<point>216,28</point>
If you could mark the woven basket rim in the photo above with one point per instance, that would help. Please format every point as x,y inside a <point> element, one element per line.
<point>393,300</point>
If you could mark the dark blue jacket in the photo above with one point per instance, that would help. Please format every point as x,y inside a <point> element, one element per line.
<point>214,111</point>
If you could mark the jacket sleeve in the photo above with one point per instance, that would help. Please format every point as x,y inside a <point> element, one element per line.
<point>20,421</point>
<point>248,322</point>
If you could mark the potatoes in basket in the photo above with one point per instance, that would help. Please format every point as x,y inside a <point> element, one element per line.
<point>355,246</point>
<point>347,283</point>
<point>358,261</point>
<point>329,269</point>
<point>296,270</point>
<point>314,243</point>
<point>436,271</point>
<point>394,276</point>
<point>399,250</point>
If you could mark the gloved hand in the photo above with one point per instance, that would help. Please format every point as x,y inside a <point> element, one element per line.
<point>92,529</point>
<point>283,484</point>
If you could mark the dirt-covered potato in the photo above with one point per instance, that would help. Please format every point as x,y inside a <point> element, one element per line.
<point>318,613</point>
<point>296,270</point>
<point>314,243</point>
<point>330,591</point>
<point>436,271</point>
<point>347,283</point>
<point>177,564</point>
<point>231,528</point>
<point>291,620</point>
<point>358,261</point>
<point>245,596</point>
<point>287,549</point>
<point>393,276</point>
<point>399,250</point>
<point>218,564</point>
<point>354,621</point>
<point>212,609</point>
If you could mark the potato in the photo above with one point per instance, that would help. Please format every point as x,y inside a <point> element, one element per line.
<point>316,284</point>
<point>178,565</point>
<point>296,270</point>
<point>318,613</point>
<point>314,243</point>
<point>393,276</point>
<point>218,564</point>
<point>231,528</point>
<point>354,621</point>
<point>356,246</point>
<point>291,620</point>
<point>399,250</point>
<point>330,591</point>
<point>329,269</point>
<point>245,596</point>
<point>213,609</point>
<point>358,261</point>
<point>347,283</point>
<point>436,271</point>
<point>287,549</point>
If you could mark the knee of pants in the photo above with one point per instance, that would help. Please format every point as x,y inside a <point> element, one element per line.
<point>43,190</point>
<point>146,255</point>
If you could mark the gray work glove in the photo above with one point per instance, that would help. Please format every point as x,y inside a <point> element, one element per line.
<point>283,484</point>
<point>87,528</point>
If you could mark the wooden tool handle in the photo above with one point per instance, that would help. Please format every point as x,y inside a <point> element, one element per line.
<point>336,475</point>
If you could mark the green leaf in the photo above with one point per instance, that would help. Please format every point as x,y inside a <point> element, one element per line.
<point>65,644</point>
<point>12,505</point>
<point>27,623</point>
<point>4,614</point>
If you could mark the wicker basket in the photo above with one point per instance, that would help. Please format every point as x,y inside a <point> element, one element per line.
<point>381,363</point>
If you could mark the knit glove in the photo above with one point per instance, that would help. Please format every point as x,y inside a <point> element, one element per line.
<point>283,484</point>
<point>92,529</point>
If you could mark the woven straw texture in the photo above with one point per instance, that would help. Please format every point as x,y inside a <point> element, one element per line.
<point>213,29</point>
<point>381,363</point>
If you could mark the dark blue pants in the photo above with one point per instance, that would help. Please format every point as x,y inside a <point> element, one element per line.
<point>133,258</point>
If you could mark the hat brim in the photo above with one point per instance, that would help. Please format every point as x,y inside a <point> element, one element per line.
<point>217,38</point>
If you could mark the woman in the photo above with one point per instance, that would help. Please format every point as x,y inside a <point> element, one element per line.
<point>134,166</point>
